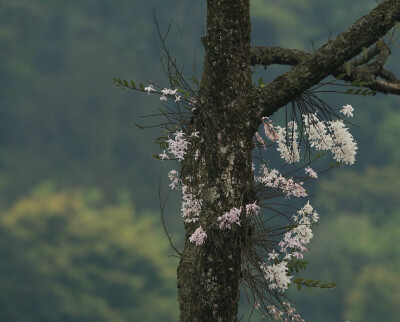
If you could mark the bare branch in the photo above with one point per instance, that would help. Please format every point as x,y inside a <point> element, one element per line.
<point>328,59</point>
<point>265,56</point>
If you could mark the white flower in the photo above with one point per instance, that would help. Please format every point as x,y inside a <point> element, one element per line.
<point>272,256</point>
<point>163,98</point>
<point>195,134</point>
<point>198,236</point>
<point>347,110</point>
<point>149,89</point>
<point>277,275</point>
<point>191,204</point>
<point>163,156</point>
<point>311,173</point>
<point>173,175</point>
<point>178,145</point>
<point>289,150</point>
<point>344,149</point>
<point>167,91</point>
<point>289,187</point>
<point>333,136</point>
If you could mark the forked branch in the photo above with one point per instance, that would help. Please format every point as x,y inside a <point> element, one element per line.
<point>329,59</point>
<point>379,79</point>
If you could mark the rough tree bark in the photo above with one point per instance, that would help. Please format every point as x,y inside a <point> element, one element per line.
<point>208,277</point>
<point>229,110</point>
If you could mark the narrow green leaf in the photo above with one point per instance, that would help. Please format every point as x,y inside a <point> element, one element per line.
<point>141,86</point>
<point>341,76</point>
<point>133,84</point>
<point>155,156</point>
<point>139,126</point>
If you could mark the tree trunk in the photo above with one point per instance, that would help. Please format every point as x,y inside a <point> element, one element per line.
<point>209,274</point>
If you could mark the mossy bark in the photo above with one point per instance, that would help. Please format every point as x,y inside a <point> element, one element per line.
<point>208,275</point>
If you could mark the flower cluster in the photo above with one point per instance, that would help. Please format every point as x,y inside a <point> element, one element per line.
<point>291,246</point>
<point>230,218</point>
<point>289,311</point>
<point>251,209</point>
<point>344,147</point>
<point>198,236</point>
<point>166,92</point>
<point>191,204</point>
<point>273,179</point>
<point>277,275</point>
<point>331,135</point>
<point>169,92</point>
<point>176,146</point>
<point>322,135</point>
<point>287,143</point>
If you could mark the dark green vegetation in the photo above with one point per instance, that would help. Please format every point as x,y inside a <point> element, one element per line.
<point>70,253</point>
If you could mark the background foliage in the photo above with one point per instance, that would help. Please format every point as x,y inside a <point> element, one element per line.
<point>81,239</point>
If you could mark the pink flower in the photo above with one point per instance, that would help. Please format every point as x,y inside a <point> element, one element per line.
<point>198,236</point>
<point>252,209</point>
<point>229,218</point>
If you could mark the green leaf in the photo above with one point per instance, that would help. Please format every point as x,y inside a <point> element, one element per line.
<point>298,280</point>
<point>364,83</point>
<point>141,86</point>
<point>341,76</point>
<point>299,287</point>
<point>155,156</point>
<point>349,91</point>
<point>133,84</point>
<point>125,83</point>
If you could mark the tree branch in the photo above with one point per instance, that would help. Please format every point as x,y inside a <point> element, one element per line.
<point>329,59</point>
<point>265,56</point>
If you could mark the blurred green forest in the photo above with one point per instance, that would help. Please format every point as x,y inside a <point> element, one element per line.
<point>81,238</point>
